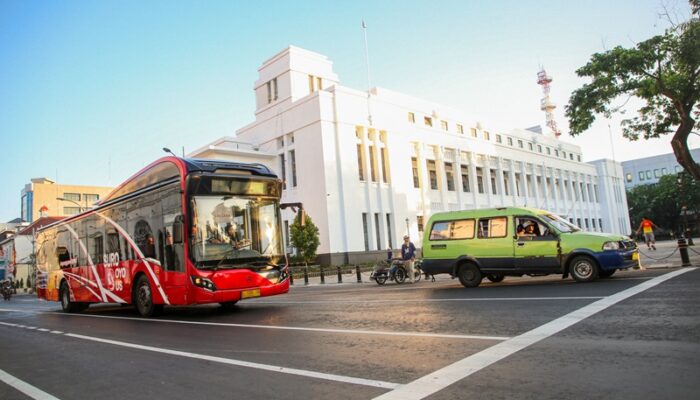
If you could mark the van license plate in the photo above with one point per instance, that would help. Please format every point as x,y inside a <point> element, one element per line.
<point>635,256</point>
<point>246,294</point>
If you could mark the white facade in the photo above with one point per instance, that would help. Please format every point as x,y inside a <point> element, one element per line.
<point>368,166</point>
<point>648,170</point>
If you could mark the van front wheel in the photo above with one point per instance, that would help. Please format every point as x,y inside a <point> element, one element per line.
<point>469,275</point>
<point>583,269</point>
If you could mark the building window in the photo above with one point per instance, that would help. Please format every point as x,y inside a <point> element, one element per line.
<point>283,170</point>
<point>385,164</point>
<point>549,151</point>
<point>528,182</point>
<point>361,162</point>
<point>280,142</point>
<point>509,141</point>
<point>443,125</point>
<point>290,138</point>
<point>365,230</point>
<point>530,146</point>
<point>578,222</point>
<point>494,186</point>
<point>377,231</point>
<point>585,221</point>
<point>72,196</point>
<point>414,167</point>
<point>664,171</point>
<point>319,83</point>
<point>506,183</point>
<point>641,175</point>
<point>628,177</point>
<point>563,154</point>
<point>419,222</point>
<point>499,139</point>
<point>595,192</point>
<point>593,222</point>
<point>91,198</point>
<point>539,148</point>
<point>466,187</point>
<point>583,191</point>
<point>460,128</point>
<point>556,153</point>
<point>432,173</point>
<point>428,121</point>
<point>71,210</point>
<point>473,132</point>
<point>578,157</point>
<point>269,92</point>
<point>389,233</point>
<point>657,174</point>
<point>372,164</point>
<point>518,184</point>
<point>480,179</point>
<point>293,161</point>
<point>487,135</point>
<point>449,175</point>
<point>571,156</point>
<point>311,83</point>
<point>411,117</point>
<point>648,173</point>
<point>520,144</point>
<point>600,223</point>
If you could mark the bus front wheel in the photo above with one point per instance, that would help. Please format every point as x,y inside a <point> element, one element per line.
<point>67,304</point>
<point>143,298</point>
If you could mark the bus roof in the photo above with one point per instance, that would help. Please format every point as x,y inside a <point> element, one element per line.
<point>167,169</point>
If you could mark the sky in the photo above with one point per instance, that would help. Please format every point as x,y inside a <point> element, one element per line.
<point>90,92</point>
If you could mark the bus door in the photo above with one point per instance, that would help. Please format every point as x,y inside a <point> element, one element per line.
<point>172,254</point>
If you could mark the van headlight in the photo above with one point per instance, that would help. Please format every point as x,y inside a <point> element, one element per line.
<point>611,246</point>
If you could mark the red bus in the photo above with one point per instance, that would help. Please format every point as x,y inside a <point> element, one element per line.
<point>179,232</point>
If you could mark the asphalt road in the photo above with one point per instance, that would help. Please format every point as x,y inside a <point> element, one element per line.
<point>634,336</point>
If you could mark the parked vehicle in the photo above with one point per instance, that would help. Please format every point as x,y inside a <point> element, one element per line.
<point>499,242</point>
<point>382,271</point>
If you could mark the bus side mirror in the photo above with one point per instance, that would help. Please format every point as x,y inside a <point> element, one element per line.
<point>178,230</point>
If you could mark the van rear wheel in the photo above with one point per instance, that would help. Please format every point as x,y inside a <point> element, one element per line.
<point>583,269</point>
<point>469,275</point>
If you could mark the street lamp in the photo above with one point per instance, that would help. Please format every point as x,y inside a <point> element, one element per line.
<point>80,208</point>
<point>167,150</point>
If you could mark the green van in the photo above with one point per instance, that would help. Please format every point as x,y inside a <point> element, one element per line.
<point>509,241</point>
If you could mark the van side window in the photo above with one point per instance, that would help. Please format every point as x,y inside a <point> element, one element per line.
<point>495,227</point>
<point>451,230</point>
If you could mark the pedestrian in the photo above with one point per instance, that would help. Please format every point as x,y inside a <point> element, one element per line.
<point>408,255</point>
<point>648,228</point>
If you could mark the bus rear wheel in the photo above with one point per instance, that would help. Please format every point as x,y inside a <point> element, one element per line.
<point>143,298</point>
<point>67,304</point>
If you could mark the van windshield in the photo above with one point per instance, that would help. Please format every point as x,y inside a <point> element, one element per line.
<point>560,223</point>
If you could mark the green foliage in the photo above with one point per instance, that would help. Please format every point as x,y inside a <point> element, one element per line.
<point>662,202</point>
<point>663,71</point>
<point>305,238</point>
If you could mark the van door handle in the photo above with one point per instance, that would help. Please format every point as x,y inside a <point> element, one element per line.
<point>438,246</point>
<point>521,244</point>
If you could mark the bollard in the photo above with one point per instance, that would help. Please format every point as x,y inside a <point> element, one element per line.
<point>340,276</point>
<point>357,271</point>
<point>291,275</point>
<point>683,249</point>
<point>306,274</point>
<point>323,274</point>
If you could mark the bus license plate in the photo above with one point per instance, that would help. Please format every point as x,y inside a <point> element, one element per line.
<point>246,294</point>
<point>635,256</point>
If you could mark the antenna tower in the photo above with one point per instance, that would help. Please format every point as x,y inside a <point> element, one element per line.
<point>546,105</point>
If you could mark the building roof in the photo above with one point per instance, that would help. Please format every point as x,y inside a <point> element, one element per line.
<point>38,224</point>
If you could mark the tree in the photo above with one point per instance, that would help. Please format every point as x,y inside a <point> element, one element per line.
<point>663,202</point>
<point>664,72</point>
<point>305,238</point>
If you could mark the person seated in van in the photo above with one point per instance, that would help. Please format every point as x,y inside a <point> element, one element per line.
<point>531,230</point>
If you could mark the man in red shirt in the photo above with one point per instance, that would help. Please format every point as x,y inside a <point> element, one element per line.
<point>648,227</point>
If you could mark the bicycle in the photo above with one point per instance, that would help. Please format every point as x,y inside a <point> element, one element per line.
<point>394,270</point>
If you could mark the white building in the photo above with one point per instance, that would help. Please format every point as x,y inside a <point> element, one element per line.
<point>648,170</point>
<point>370,166</point>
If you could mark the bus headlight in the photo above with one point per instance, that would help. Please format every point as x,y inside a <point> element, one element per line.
<point>203,283</point>
<point>611,246</point>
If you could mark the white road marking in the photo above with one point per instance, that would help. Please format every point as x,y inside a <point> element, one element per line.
<point>24,387</point>
<point>418,301</point>
<point>229,361</point>
<point>442,378</point>
<point>298,328</point>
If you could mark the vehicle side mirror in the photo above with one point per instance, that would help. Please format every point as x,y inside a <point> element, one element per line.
<point>178,230</point>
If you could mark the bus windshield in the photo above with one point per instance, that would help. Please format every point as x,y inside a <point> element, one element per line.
<point>229,231</point>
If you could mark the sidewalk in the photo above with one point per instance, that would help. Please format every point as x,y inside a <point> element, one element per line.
<point>667,255</point>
